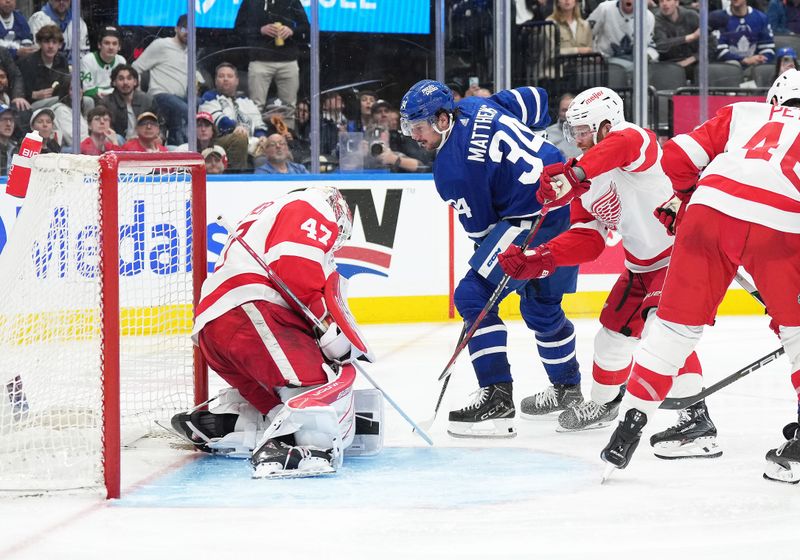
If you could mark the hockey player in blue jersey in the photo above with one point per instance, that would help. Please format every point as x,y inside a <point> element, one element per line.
<point>487,167</point>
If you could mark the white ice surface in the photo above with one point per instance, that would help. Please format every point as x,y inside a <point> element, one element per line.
<point>654,509</point>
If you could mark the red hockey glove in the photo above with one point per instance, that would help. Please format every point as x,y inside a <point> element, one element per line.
<point>533,263</point>
<point>671,213</point>
<point>559,184</point>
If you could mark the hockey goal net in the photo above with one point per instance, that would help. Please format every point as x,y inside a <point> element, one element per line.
<point>99,278</point>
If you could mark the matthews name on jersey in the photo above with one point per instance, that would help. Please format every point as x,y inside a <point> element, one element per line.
<point>468,171</point>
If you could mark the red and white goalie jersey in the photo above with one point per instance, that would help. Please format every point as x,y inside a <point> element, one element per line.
<point>748,154</point>
<point>627,184</point>
<point>295,236</point>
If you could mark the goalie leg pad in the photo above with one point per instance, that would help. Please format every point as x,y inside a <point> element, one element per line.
<point>368,439</point>
<point>229,428</point>
<point>319,418</point>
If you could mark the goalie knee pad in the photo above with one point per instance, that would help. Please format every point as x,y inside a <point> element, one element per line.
<point>667,345</point>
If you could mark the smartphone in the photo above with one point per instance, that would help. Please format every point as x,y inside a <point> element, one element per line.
<point>473,81</point>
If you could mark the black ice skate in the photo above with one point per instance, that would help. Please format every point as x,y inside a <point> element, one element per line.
<point>490,414</point>
<point>625,439</point>
<point>783,463</point>
<point>554,398</point>
<point>201,427</point>
<point>276,459</point>
<point>693,437</point>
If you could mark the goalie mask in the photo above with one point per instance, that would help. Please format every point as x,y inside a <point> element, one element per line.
<point>589,110</point>
<point>344,218</point>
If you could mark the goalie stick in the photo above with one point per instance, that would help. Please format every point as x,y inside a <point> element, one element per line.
<point>293,299</point>
<point>492,300</point>
<point>683,402</point>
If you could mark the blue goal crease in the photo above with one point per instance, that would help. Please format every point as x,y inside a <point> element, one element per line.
<point>399,477</point>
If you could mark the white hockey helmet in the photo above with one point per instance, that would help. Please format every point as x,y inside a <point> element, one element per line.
<point>785,87</point>
<point>591,108</point>
<point>344,218</point>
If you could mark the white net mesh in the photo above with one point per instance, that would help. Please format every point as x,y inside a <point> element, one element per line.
<point>51,367</point>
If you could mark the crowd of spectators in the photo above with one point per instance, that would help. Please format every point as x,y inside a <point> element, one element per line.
<point>261,123</point>
<point>742,33</point>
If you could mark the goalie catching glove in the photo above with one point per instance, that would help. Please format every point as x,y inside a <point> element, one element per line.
<point>560,183</point>
<point>523,265</point>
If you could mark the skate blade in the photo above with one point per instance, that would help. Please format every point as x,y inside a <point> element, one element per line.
<point>562,430</point>
<point>491,429</point>
<point>779,473</point>
<point>701,448</point>
<point>267,472</point>
<point>607,472</point>
<point>545,416</point>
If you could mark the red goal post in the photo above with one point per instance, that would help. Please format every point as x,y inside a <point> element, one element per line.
<point>104,267</point>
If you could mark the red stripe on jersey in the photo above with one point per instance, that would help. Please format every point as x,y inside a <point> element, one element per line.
<point>576,246</point>
<point>650,152</point>
<point>647,262</point>
<point>713,134</point>
<point>228,285</point>
<point>750,193</point>
<point>619,149</point>
<point>367,255</point>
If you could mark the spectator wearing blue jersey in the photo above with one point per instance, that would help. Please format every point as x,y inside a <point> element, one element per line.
<point>745,37</point>
<point>487,165</point>
<point>784,16</point>
<point>15,33</point>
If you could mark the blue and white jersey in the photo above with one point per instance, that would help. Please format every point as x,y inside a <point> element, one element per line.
<point>488,167</point>
<point>744,36</point>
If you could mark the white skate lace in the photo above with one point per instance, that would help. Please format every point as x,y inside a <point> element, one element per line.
<point>684,416</point>
<point>478,398</point>
<point>588,410</point>
<point>548,396</point>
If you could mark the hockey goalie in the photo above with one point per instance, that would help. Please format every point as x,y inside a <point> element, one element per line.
<point>291,405</point>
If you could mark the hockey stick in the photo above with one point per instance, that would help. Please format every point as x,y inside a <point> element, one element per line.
<point>492,299</point>
<point>683,402</point>
<point>287,294</point>
<point>427,424</point>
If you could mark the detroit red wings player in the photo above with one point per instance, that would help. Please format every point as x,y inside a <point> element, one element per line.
<point>745,211</point>
<point>623,162</point>
<point>267,351</point>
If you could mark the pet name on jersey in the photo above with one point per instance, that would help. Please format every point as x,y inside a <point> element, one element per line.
<point>479,140</point>
<point>784,112</point>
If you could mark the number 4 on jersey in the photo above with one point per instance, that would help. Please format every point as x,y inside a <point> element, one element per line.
<point>310,226</point>
<point>764,143</point>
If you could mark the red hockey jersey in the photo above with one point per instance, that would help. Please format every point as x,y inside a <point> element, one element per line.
<point>627,184</point>
<point>747,158</point>
<point>295,236</point>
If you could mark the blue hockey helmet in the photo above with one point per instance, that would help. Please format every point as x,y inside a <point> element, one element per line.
<point>423,102</point>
